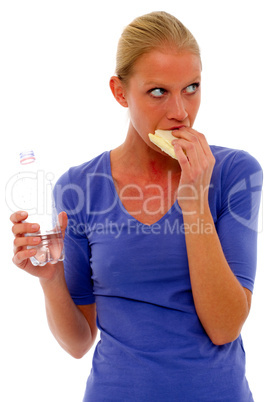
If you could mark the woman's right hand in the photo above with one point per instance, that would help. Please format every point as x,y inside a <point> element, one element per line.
<point>22,255</point>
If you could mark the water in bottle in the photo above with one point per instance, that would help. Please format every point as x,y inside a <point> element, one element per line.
<point>31,190</point>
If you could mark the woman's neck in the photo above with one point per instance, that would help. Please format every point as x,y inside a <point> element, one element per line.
<point>135,157</point>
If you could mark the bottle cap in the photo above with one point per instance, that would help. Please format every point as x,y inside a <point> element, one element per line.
<point>27,157</point>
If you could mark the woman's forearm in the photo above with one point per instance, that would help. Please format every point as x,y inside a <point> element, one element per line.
<point>220,300</point>
<point>67,323</point>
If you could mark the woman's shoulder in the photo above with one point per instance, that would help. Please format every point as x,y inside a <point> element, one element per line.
<point>77,189</point>
<point>81,173</point>
<point>235,172</point>
<point>236,176</point>
<point>230,160</point>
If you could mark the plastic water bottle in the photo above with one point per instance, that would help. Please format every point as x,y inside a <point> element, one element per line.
<point>31,190</point>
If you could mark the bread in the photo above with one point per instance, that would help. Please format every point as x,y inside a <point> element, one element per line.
<point>163,139</point>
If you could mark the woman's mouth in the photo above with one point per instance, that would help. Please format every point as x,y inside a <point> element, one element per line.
<point>176,127</point>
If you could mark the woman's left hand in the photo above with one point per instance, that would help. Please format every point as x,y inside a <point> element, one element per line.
<point>197,162</point>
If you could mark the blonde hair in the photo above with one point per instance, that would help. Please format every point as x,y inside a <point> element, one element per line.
<point>156,30</point>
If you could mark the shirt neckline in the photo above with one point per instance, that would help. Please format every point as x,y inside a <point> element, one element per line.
<point>174,206</point>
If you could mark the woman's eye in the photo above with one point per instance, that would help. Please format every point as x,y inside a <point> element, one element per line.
<point>191,88</point>
<point>157,92</point>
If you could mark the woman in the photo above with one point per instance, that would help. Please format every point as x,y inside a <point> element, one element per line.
<point>160,252</point>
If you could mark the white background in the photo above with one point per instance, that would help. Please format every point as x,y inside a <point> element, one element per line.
<point>56,61</point>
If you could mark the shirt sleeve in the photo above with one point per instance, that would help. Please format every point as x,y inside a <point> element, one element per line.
<point>69,198</point>
<point>237,222</point>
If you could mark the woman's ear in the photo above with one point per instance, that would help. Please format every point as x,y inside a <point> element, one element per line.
<point>118,90</point>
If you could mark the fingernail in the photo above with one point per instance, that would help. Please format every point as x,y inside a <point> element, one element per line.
<point>34,227</point>
<point>23,214</point>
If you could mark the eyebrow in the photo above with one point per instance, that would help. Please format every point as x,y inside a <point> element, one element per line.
<point>159,85</point>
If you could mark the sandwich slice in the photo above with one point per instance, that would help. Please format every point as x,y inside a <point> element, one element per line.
<point>162,139</point>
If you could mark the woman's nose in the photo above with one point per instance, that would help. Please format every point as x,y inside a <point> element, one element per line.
<point>176,108</point>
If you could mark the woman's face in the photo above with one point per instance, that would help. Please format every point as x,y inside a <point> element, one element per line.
<point>163,92</point>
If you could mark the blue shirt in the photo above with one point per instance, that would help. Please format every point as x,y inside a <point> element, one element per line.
<point>152,345</point>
